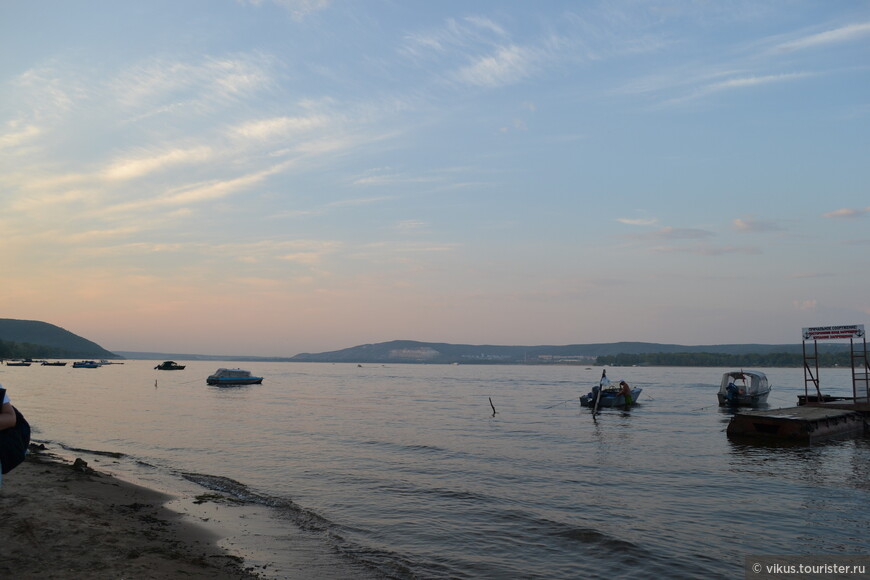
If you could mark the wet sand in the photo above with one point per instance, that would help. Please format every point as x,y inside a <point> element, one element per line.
<point>62,520</point>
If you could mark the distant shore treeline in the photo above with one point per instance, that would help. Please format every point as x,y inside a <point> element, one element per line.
<point>10,349</point>
<point>712,359</point>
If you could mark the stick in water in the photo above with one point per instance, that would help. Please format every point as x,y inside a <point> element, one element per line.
<point>493,407</point>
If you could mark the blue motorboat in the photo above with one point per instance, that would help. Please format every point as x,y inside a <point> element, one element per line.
<point>609,394</point>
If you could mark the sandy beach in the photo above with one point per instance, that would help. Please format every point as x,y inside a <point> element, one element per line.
<point>64,520</point>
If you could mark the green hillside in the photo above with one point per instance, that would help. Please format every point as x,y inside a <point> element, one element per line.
<point>35,339</point>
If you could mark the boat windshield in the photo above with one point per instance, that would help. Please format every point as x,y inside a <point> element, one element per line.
<point>746,382</point>
<point>232,373</point>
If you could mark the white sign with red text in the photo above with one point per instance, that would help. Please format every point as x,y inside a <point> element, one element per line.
<point>832,332</point>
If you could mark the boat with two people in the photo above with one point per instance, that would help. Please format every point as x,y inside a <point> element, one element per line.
<point>169,365</point>
<point>610,394</point>
<point>743,389</point>
<point>230,377</point>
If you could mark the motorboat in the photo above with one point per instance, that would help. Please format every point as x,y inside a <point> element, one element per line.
<point>743,389</point>
<point>56,363</point>
<point>86,364</point>
<point>169,365</point>
<point>224,376</point>
<point>608,394</point>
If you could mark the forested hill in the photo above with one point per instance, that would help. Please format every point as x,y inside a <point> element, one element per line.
<point>410,351</point>
<point>35,339</point>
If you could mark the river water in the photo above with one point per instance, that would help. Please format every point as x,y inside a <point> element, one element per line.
<point>403,471</point>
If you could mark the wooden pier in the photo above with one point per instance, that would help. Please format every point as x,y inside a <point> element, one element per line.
<point>804,424</point>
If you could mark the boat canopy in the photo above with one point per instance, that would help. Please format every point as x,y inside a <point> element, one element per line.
<point>747,382</point>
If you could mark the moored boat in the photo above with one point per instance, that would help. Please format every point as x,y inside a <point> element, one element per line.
<point>224,376</point>
<point>743,389</point>
<point>169,365</point>
<point>56,363</point>
<point>86,364</point>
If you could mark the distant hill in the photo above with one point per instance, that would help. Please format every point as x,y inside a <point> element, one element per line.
<point>161,356</point>
<point>410,351</point>
<point>33,338</point>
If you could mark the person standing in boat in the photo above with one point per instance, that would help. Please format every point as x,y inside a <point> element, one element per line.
<point>625,391</point>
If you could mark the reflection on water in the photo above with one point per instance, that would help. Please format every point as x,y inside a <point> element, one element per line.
<point>404,469</point>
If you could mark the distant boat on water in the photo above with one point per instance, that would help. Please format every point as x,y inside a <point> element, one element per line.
<point>169,365</point>
<point>56,363</point>
<point>86,364</point>
<point>224,376</point>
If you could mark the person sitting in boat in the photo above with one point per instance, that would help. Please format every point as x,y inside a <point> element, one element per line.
<point>731,392</point>
<point>625,391</point>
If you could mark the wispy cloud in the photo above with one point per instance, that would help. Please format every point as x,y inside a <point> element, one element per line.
<point>278,127</point>
<point>846,213</point>
<point>638,221</point>
<point>672,233</point>
<point>810,275</point>
<point>409,226</point>
<point>135,167</point>
<point>751,225</point>
<point>298,9</point>
<point>708,250</point>
<point>737,83</point>
<point>16,137</point>
<point>838,35</point>
<point>805,305</point>
<point>507,65</point>
<point>387,178</point>
<point>453,35</point>
<point>192,86</point>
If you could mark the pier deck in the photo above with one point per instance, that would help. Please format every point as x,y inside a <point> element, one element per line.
<point>806,424</point>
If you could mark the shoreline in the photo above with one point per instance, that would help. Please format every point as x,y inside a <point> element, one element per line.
<point>67,520</point>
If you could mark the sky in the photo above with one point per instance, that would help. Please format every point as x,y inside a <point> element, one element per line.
<point>272,177</point>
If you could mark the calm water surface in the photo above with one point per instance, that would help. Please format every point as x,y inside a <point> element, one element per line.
<point>402,471</point>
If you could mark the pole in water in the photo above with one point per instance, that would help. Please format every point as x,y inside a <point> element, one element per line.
<point>493,407</point>
<point>601,382</point>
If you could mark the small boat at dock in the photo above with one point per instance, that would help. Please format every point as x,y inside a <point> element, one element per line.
<point>743,389</point>
<point>224,376</point>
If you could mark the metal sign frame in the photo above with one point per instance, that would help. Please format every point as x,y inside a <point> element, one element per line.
<point>860,376</point>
